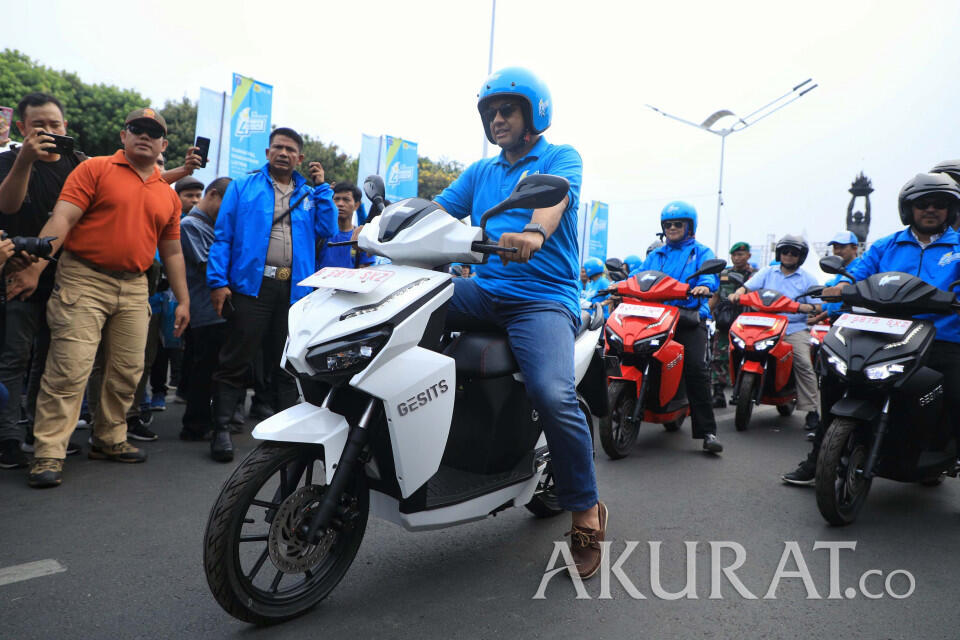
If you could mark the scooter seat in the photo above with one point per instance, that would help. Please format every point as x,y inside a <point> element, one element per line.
<point>482,355</point>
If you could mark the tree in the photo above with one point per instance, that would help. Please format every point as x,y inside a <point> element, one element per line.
<point>434,177</point>
<point>181,120</point>
<point>337,166</point>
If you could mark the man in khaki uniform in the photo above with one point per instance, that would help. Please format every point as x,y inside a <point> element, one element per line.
<point>113,214</point>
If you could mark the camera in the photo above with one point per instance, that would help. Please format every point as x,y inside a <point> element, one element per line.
<point>40,247</point>
<point>63,144</point>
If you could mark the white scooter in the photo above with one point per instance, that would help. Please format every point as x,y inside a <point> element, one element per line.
<point>423,428</point>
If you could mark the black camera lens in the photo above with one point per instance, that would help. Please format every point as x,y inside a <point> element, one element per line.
<point>40,247</point>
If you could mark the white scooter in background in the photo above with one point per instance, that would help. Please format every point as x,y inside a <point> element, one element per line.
<point>400,419</point>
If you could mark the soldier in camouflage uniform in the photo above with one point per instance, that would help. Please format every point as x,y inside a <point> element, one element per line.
<point>720,370</point>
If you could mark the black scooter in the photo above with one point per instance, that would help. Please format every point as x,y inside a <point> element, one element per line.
<point>890,419</point>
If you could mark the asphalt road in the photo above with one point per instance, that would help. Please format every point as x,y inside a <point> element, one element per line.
<point>130,536</point>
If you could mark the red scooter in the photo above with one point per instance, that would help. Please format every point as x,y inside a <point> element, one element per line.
<point>761,361</point>
<point>645,363</point>
<point>817,333</point>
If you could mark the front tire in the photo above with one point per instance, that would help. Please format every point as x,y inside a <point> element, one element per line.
<point>745,401</point>
<point>252,525</point>
<point>618,435</point>
<point>840,485</point>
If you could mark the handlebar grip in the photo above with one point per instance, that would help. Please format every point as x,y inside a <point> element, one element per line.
<point>488,247</point>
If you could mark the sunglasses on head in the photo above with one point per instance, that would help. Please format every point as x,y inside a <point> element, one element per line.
<point>936,203</point>
<point>789,251</point>
<point>506,110</point>
<point>153,132</point>
<point>672,224</point>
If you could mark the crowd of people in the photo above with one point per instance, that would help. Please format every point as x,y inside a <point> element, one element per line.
<point>152,271</point>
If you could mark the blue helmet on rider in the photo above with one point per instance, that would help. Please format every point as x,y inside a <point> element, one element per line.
<point>632,262</point>
<point>679,210</point>
<point>592,266</point>
<point>532,93</point>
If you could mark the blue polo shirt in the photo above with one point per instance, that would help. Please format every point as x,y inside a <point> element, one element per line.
<point>553,272</point>
<point>328,256</point>
<point>789,285</point>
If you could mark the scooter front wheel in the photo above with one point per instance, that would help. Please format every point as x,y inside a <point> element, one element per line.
<point>841,487</point>
<point>745,401</point>
<point>257,567</point>
<point>618,434</point>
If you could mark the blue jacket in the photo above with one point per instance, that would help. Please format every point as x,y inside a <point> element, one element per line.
<point>590,294</point>
<point>834,309</point>
<point>242,234</point>
<point>679,261</point>
<point>938,264</point>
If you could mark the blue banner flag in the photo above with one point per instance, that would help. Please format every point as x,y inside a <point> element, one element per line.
<point>250,110</point>
<point>400,168</point>
<point>597,230</point>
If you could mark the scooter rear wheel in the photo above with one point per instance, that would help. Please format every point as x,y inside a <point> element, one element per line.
<point>618,435</point>
<point>841,487</point>
<point>257,568</point>
<point>745,401</point>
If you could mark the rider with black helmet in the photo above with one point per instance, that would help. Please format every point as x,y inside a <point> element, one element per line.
<point>789,279</point>
<point>952,169</point>
<point>928,248</point>
<point>533,294</point>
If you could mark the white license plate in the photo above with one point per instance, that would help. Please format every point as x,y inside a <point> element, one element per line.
<point>820,327</point>
<point>875,324</point>
<point>757,321</point>
<point>639,310</point>
<point>354,280</point>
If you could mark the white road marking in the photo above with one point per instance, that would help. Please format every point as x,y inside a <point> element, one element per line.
<point>30,570</point>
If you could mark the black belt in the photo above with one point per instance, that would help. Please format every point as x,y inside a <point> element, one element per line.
<point>119,275</point>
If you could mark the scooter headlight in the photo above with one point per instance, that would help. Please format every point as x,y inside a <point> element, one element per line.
<point>836,361</point>
<point>737,340</point>
<point>763,345</point>
<point>883,371</point>
<point>349,355</point>
<point>650,344</point>
<point>615,341</point>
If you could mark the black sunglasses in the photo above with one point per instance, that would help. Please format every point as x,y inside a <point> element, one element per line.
<point>506,110</point>
<point>789,251</point>
<point>672,224</point>
<point>936,203</point>
<point>153,132</point>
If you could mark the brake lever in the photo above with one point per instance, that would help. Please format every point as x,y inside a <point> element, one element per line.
<point>489,247</point>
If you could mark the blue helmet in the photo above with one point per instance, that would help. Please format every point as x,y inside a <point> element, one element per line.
<point>592,266</point>
<point>678,210</point>
<point>521,83</point>
<point>633,262</point>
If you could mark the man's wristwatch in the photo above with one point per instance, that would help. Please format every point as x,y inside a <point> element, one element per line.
<point>538,228</point>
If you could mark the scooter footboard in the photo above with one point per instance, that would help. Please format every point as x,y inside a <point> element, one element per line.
<point>308,424</point>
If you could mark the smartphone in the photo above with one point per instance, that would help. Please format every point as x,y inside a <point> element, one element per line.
<point>64,144</point>
<point>203,144</point>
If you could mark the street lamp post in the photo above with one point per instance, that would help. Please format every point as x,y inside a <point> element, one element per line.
<point>739,125</point>
<point>493,24</point>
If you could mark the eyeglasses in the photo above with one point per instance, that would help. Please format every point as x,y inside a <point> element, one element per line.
<point>506,110</point>
<point>926,203</point>
<point>672,224</point>
<point>790,251</point>
<point>153,132</point>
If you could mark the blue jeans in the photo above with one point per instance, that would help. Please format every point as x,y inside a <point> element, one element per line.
<point>541,335</point>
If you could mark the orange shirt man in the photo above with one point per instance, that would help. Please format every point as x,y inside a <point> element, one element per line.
<point>112,216</point>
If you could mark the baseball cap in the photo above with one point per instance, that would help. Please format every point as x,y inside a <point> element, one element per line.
<point>147,114</point>
<point>844,237</point>
<point>189,182</point>
<point>739,246</point>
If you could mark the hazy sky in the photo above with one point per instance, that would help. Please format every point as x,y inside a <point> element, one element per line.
<point>887,102</point>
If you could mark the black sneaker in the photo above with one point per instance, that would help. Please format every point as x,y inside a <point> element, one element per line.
<point>719,400</point>
<point>260,410</point>
<point>136,430</point>
<point>803,475</point>
<point>73,448</point>
<point>711,444</point>
<point>10,455</point>
<point>812,421</point>
<point>810,436</point>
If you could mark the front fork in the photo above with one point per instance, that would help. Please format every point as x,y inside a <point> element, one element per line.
<point>867,471</point>
<point>638,407</point>
<point>321,519</point>
<point>757,390</point>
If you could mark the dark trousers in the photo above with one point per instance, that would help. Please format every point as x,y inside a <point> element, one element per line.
<point>26,325</point>
<point>201,358</point>
<point>943,357</point>
<point>168,359</point>
<point>696,378</point>
<point>253,320</point>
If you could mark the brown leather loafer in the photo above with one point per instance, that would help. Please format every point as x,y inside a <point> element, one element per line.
<point>585,545</point>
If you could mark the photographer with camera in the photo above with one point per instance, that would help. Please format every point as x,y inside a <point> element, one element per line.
<point>31,177</point>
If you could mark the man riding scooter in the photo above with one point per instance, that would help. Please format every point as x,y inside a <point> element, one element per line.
<point>533,294</point>
<point>929,249</point>
<point>679,258</point>
<point>789,279</point>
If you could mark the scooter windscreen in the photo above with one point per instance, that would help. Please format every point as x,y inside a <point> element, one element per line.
<point>900,295</point>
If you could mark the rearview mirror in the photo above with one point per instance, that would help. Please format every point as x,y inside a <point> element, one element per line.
<point>710,267</point>
<point>538,191</point>
<point>834,265</point>
<point>373,188</point>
